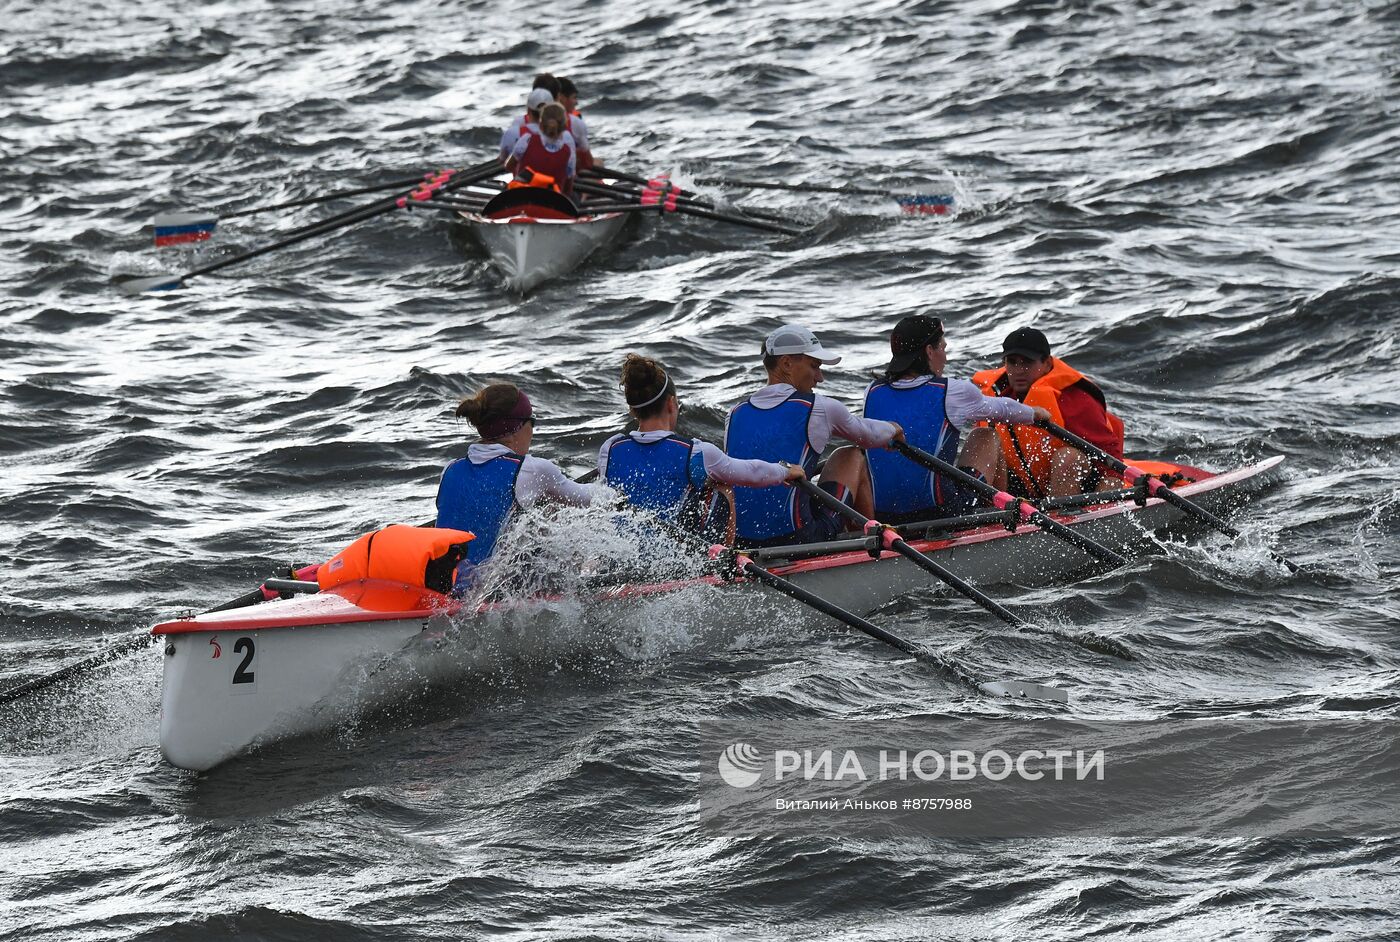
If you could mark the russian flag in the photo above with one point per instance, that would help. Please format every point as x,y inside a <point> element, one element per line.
<point>925,204</point>
<point>180,228</point>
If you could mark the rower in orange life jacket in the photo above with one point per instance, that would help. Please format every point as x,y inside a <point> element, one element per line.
<point>575,125</point>
<point>1039,465</point>
<point>545,154</point>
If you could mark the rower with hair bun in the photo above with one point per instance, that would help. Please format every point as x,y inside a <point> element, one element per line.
<point>663,472</point>
<point>498,475</point>
<point>545,155</point>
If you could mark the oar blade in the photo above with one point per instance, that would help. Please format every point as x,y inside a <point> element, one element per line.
<point>1024,690</point>
<point>155,283</point>
<point>183,228</point>
<point>924,204</point>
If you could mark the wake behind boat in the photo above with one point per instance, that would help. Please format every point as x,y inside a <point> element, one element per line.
<point>251,676</point>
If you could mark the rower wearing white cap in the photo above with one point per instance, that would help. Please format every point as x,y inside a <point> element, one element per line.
<point>540,95</point>
<point>786,421</point>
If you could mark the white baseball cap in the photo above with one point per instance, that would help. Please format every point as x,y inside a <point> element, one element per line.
<point>539,97</point>
<point>794,338</point>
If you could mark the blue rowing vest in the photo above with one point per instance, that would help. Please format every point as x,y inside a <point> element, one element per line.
<point>665,476</point>
<point>900,485</point>
<point>776,434</point>
<point>479,498</point>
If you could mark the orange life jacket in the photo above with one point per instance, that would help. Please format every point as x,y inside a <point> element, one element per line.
<point>1029,449</point>
<point>424,557</point>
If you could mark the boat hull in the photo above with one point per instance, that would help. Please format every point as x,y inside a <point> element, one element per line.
<point>311,657</point>
<point>530,251</point>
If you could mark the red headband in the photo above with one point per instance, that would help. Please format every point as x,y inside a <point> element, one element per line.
<point>503,425</point>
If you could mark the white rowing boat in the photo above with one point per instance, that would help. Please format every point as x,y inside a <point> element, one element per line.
<point>291,666</point>
<point>533,235</point>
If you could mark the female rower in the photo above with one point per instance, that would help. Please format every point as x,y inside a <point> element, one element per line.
<point>931,408</point>
<point>479,492</point>
<point>546,154</point>
<point>659,470</point>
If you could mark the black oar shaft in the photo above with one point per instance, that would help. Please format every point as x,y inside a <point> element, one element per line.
<point>951,668</point>
<point>792,187</point>
<point>683,206</point>
<point>919,559</point>
<point>689,196</point>
<point>992,495</point>
<point>325,197</point>
<point>1156,487</point>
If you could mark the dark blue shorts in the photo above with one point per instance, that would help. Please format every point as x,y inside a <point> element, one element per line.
<point>957,500</point>
<point>825,524</point>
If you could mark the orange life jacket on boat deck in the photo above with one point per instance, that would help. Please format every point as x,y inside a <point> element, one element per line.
<point>424,557</point>
<point>1029,449</point>
<point>542,180</point>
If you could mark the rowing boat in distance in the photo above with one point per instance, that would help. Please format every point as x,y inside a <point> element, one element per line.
<point>303,663</point>
<point>533,235</point>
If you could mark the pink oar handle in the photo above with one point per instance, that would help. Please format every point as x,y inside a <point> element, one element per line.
<point>1002,500</point>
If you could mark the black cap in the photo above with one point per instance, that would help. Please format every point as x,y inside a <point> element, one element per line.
<point>1028,342</point>
<point>908,339</point>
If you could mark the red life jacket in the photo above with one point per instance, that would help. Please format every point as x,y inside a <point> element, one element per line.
<point>539,160</point>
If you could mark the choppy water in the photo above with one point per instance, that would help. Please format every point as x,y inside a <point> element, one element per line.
<point>1196,201</point>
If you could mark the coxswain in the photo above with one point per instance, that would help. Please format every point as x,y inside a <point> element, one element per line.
<point>545,153</point>
<point>568,97</point>
<point>543,92</point>
<point>663,472</point>
<point>1038,464</point>
<point>786,421</point>
<point>933,412</point>
<point>498,475</point>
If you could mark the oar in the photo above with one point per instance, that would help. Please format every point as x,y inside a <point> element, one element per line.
<point>181,227</point>
<point>688,196</point>
<point>339,221</point>
<point>1004,688</point>
<point>1004,501</point>
<point>674,205</point>
<point>124,647</point>
<point>933,204</point>
<point>891,540</point>
<point>1153,486</point>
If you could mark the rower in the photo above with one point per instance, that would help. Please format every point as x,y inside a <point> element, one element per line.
<point>786,421</point>
<point>542,92</point>
<point>1039,465</point>
<point>932,410</point>
<point>568,97</point>
<point>545,153</point>
<point>663,472</point>
<point>498,475</point>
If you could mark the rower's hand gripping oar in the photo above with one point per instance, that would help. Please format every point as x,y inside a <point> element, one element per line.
<point>1152,486</point>
<point>340,221</point>
<point>1022,510</point>
<point>742,565</point>
<point>890,539</point>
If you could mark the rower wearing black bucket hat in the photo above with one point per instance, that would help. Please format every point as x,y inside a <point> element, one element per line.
<point>932,409</point>
<point>1039,465</point>
<point>660,471</point>
<point>787,421</point>
<point>498,476</point>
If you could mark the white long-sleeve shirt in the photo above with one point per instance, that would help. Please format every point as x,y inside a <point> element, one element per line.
<point>966,404</point>
<point>746,472</point>
<point>830,419</point>
<point>540,480</point>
